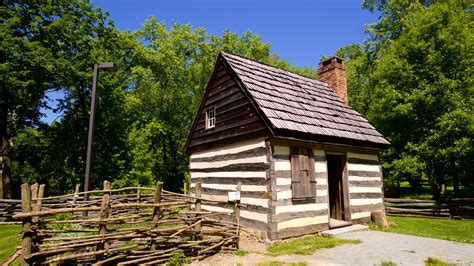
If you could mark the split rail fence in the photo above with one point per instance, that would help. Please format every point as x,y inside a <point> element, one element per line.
<point>450,208</point>
<point>134,225</point>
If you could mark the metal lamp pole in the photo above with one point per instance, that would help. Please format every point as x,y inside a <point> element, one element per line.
<point>97,67</point>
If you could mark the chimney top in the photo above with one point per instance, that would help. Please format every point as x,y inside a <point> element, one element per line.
<point>331,62</point>
<point>333,72</point>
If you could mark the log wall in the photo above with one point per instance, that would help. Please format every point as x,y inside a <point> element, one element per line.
<point>220,170</point>
<point>365,185</point>
<point>236,118</point>
<point>264,172</point>
<point>296,217</point>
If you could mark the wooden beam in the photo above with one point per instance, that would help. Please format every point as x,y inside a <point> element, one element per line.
<point>26,242</point>
<point>104,214</point>
<point>156,211</point>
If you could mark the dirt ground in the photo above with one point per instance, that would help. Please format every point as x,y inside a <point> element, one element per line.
<point>376,247</point>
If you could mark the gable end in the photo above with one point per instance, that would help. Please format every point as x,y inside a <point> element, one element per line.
<point>235,116</point>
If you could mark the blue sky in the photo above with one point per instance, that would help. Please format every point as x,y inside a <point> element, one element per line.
<point>300,31</point>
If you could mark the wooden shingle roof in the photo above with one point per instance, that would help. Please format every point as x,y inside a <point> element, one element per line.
<point>294,103</point>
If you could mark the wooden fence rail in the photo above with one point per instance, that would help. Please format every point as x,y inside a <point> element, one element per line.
<point>450,208</point>
<point>458,207</point>
<point>123,229</point>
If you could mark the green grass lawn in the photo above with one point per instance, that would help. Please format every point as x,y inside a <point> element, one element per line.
<point>453,230</point>
<point>9,240</point>
<point>404,191</point>
<point>307,245</point>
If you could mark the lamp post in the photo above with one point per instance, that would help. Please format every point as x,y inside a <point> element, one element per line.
<point>97,67</point>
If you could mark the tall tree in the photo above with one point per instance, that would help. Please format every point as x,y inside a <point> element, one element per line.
<point>144,110</point>
<point>419,83</point>
<point>42,50</point>
<point>69,135</point>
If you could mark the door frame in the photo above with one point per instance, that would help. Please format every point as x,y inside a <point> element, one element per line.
<point>346,206</point>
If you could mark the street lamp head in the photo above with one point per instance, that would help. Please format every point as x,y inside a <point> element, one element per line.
<point>107,66</point>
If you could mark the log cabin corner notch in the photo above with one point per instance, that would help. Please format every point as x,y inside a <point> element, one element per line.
<point>305,160</point>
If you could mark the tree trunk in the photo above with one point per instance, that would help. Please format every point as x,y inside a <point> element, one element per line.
<point>5,162</point>
<point>435,186</point>
<point>454,168</point>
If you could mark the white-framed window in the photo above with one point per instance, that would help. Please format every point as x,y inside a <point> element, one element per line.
<point>211,118</point>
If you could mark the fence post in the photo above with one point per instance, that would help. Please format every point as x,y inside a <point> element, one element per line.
<point>76,191</point>
<point>104,214</point>
<point>27,232</point>
<point>34,192</point>
<point>237,213</point>
<point>138,198</point>
<point>76,195</point>
<point>156,213</point>
<point>198,193</point>
<point>38,200</point>
<point>34,197</point>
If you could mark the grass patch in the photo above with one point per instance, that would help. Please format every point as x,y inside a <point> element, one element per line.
<point>280,263</point>
<point>9,240</point>
<point>307,245</point>
<point>177,258</point>
<point>388,263</point>
<point>436,262</point>
<point>447,229</point>
<point>241,252</point>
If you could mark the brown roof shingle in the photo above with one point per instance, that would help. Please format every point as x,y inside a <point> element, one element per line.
<point>297,103</point>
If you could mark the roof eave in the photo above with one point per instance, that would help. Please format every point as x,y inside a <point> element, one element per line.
<point>243,87</point>
<point>330,140</point>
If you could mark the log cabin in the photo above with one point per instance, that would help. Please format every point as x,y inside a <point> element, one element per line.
<point>303,159</point>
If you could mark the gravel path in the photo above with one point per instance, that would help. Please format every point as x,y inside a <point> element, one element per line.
<point>375,248</point>
<point>401,249</point>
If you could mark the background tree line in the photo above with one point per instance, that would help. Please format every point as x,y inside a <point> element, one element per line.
<point>412,78</point>
<point>144,110</point>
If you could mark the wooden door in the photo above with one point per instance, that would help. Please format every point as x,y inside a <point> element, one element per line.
<point>336,189</point>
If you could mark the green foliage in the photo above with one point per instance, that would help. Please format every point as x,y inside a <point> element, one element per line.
<point>388,263</point>
<point>64,226</point>
<point>69,135</point>
<point>280,263</point>
<point>10,236</point>
<point>413,79</point>
<point>241,252</point>
<point>271,263</point>
<point>453,230</point>
<point>307,245</point>
<point>30,151</point>
<point>437,262</point>
<point>166,87</point>
<point>144,110</point>
<point>177,258</point>
<point>49,47</point>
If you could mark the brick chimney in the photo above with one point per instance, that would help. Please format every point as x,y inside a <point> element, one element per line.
<point>333,72</point>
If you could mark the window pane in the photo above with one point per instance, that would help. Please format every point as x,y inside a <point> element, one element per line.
<point>211,118</point>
